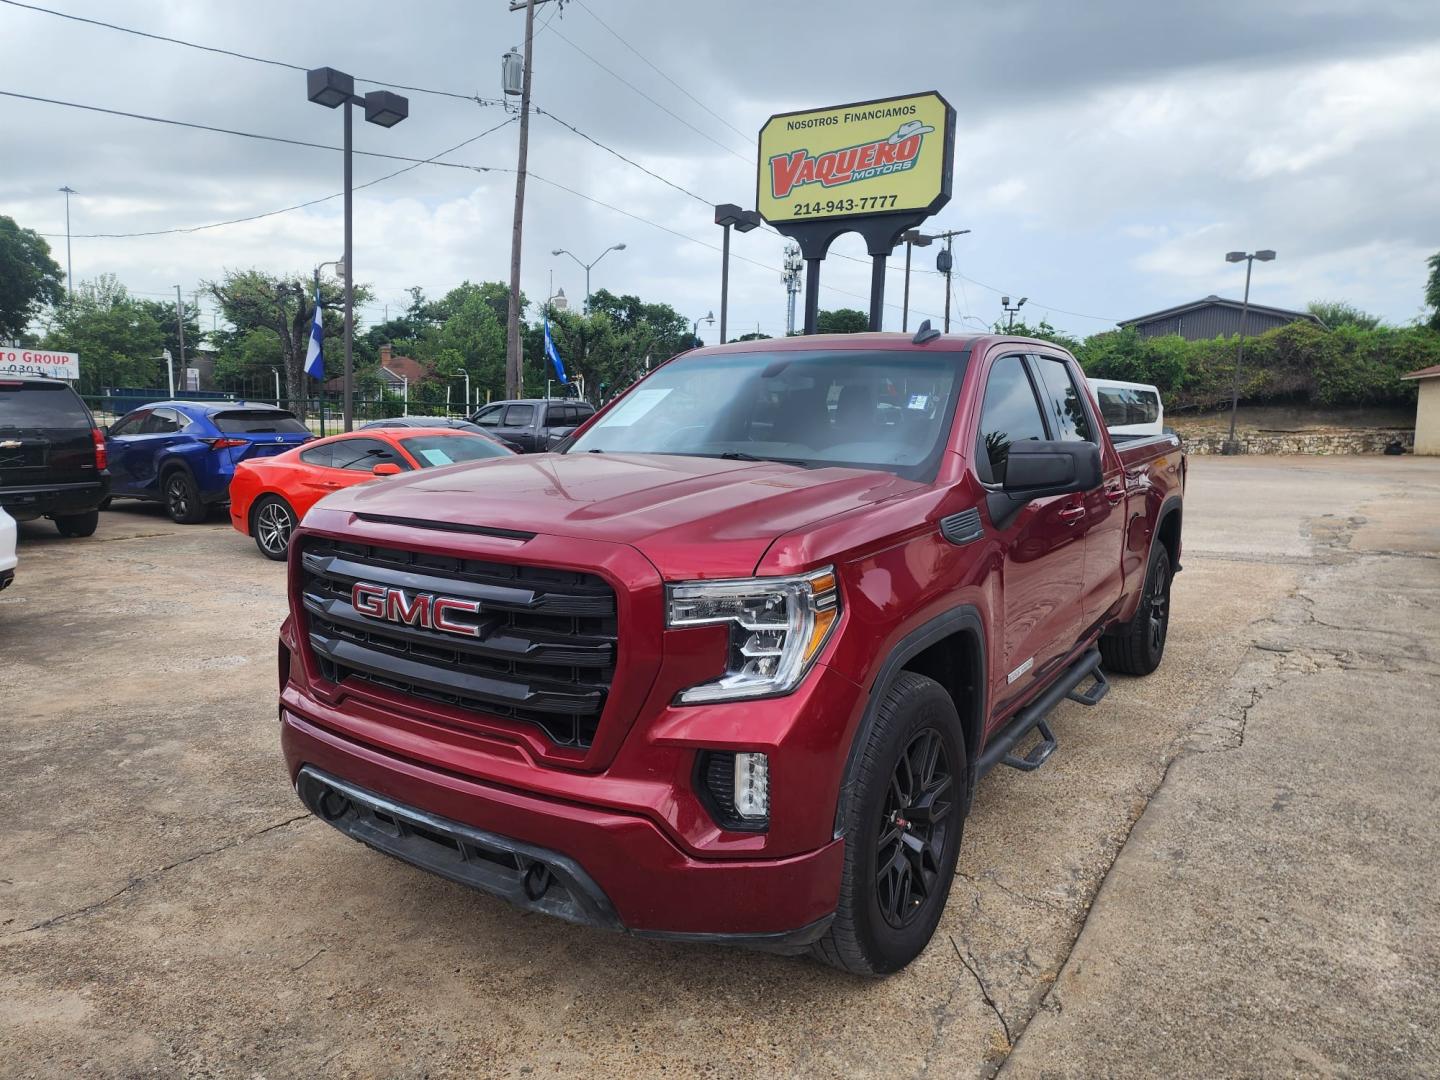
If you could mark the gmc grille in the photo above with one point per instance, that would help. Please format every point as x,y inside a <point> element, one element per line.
<point>545,654</point>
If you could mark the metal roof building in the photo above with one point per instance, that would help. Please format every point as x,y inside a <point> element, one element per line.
<point>1213,317</point>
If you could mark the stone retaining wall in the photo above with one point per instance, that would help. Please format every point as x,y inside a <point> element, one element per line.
<point>1371,441</point>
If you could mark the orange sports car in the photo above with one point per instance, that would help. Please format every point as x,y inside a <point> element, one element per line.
<point>269,496</point>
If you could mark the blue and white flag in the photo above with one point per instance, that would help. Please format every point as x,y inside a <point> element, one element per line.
<point>554,355</point>
<point>314,353</point>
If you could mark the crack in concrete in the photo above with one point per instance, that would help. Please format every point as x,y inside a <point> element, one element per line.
<point>991,877</point>
<point>969,964</point>
<point>145,879</point>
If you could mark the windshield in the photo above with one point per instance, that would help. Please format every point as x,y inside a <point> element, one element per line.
<point>448,449</point>
<point>873,410</point>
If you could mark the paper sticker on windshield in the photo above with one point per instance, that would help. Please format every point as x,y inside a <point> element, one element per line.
<point>918,401</point>
<point>437,457</point>
<point>635,407</point>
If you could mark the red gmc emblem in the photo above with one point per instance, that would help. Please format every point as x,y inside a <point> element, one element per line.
<point>424,610</point>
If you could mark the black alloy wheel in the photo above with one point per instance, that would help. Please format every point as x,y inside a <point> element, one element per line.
<point>913,829</point>
<point>182,499</point>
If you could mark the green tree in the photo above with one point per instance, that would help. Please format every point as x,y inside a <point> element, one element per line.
<point>29,278</point>
<point>1432,290</point>
<point>842,321</point>
<point>252,300</point>
<point>754,335</point>
<point>1337,313</point>
<point>118,338</point>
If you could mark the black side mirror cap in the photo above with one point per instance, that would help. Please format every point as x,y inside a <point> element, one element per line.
<point>1037,470</point>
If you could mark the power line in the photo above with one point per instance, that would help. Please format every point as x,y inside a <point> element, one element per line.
<point>628,161</point>
<point>647,97</point>
<point>645,60</point>
<point>236,55</point>
<point>298,206</point>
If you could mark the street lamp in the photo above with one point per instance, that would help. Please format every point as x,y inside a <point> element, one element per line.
<point>331,88</point>
<point>587,266</point>
<point>69,267</point>
<point>913,238</point>
<point>1231,446</point>
<point>726,215</point>
<point>708,318</point>
<point>1011,310</point>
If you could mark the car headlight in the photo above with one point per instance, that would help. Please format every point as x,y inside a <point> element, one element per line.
<point>777,628</point>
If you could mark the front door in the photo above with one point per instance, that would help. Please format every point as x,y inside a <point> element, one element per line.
<point>1043,573</point>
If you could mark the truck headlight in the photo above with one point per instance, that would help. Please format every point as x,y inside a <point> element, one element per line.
<point>777,627</point>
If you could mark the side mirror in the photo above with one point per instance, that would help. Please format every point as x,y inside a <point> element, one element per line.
<point>386,468</point>
<point>1037,470</point>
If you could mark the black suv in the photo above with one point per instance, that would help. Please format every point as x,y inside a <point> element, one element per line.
<point>52,456</point>
<point>533,425</point>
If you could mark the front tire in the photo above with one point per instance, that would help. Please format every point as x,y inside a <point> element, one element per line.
<point>182,498</point>
<point>76,525</point>
<point>1138,647</point>
<point>902,831</point>
<point>271,524</point>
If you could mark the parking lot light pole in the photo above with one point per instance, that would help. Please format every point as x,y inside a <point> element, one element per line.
<point>331,88</point>
<point>726,216</point>
<point>708,317</point>
<point>69,266</point>
<point>587,266</point>
<point>1231,445</point>
<point>913,238</point>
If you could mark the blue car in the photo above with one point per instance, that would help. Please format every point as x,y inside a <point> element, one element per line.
<point>182,454</point>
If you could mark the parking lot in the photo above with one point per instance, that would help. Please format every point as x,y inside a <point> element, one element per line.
<point>1227,868</point>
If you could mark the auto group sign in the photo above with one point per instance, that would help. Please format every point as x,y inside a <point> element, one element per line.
<point>57,365</point>
<point>875,157</point>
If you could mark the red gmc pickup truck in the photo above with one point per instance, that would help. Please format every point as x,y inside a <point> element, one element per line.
<point>729,665</point>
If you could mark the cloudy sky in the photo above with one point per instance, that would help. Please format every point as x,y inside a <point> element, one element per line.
<point>1109,153</point>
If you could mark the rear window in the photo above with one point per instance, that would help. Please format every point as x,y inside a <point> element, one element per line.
<point>258,422</point>
<point>431,450</point>
<point>25,404</point>
<point>1120,406</point>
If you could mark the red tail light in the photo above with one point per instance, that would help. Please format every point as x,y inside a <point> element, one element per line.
<point>224,444</point>
<point>102,456</point>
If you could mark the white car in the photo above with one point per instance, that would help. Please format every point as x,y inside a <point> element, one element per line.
<point>1129,408</point>
<point>7,548</point>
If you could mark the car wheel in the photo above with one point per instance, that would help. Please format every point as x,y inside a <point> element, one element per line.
<point>78,524</point>
<point>271,523</point>
<point>1138,647</point>
<point>182,498</point>
<point>902,831</point>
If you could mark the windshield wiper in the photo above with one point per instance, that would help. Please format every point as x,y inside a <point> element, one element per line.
<point>741,455</point>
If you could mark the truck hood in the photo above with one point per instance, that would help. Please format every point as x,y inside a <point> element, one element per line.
<point>692,517</point>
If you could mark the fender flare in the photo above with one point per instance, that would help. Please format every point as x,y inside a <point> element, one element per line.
<point>169,465</point>
<point>1173,504</point>
<point>963,618</point>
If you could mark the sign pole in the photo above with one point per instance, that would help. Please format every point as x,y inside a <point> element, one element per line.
<point>812,294</point>
<point>877,291</point>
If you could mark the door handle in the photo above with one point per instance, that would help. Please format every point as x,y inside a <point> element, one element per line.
<point>329,484</point>
<point>1071,514</point>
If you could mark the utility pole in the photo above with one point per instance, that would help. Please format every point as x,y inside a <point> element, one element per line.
<point>180,324</point>
<point>512,324</point>
<point>945,263</point>
<point>69,266</point>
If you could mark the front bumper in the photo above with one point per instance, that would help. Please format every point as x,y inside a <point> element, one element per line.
<point>600,866</point>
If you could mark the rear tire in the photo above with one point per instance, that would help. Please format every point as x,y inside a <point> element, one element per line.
<point>1137,647</point>
<point>272,522</point>
<point>902,832</point>
<point>182,498</point>
<point>76,525</point>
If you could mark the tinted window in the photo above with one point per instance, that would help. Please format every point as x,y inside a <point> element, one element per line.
<point>490,417</point>
<point>318,455</point>
<point>130,425</point>
<point>258,422</point>
<point>1064,405</point>
<point>162,422</point>
<point>447,449</point>
<point>1010,415</point>
<point>1120,405</point>
<point>878,410</point>
<point>519,415</point>
<point>25,404</point>
<point>363,454</point>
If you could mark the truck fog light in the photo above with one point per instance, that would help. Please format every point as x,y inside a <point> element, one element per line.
<point>752,786</point>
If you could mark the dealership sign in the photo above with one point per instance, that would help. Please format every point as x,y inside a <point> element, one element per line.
<point>57,365</point>
<point>891,156</point>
